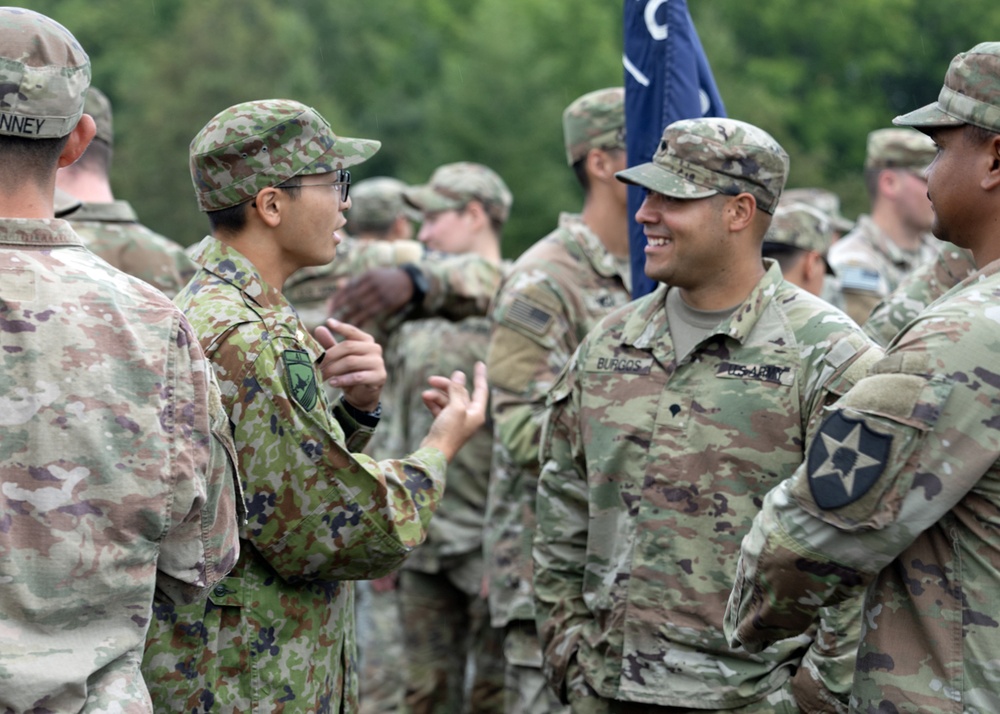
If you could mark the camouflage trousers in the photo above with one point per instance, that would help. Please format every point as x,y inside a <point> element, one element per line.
<point>380,649</point>
<point>584,700</point>
<point>526,691</point>
<point>453,658</point>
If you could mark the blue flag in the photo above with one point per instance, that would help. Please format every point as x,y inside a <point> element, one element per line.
<point>667,78</point>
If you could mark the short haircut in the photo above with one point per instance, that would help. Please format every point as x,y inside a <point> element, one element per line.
<point>978,135</point>
<point>23,159</point>
<point>233,219</point>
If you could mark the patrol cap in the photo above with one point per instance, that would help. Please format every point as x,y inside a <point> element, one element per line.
<point>970,95</point>
<point>823,200</point>
<point>698,158</point>
<point>452,186</point>
<point>801,226</point>
<point>899,149</point>
<point>98,106</point>
<point>377,202</point>
<point>44,73</point>
<point>253,145</point>
<point>594,121</point>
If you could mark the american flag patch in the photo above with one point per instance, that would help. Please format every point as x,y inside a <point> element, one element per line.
<point>529,316</point>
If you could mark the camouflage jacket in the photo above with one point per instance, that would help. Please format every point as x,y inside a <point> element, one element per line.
<point>117,472</point>
<point>417,350</point>
<point>918,290</point>
<point>555,293</point>
<point>900,494</point>
<point>652,473</point>
<point>113,231</point>
<point>277,635</point>
<point>869,265</point>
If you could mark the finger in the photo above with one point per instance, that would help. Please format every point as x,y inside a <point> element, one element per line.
<point>480,388</point>
<point>325,337</point>
<point>348,331</point>
<point>434,400</point>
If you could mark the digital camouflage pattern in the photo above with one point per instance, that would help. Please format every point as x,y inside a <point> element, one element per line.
<point>827,202</point>
<point>870,265</point>
<point>899,149</point>
<point>257,144</point>
<point>444,617</point>
<point>452,186</point>
<point>918,290</point>
<point>44,74</point>
<point>112,231</point>
<point>970,94</point>
<point>116,473</point>
<point>903,506</point>
<point>652,473</point>
<point>698,158</point>
<point>594,121</point>
<point>375,203</point>
<point>277,635</point>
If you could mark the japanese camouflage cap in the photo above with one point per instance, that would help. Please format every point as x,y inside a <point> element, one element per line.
<point>453,185</point>
<point>826,202</point>
<point>594,121</point>
<point>899,149</point>
<point>376,203</point>
<point>44,74</point>
<point>801,226</point>
<point>970,95</point>
<point>257,144</point>
<point>98,106</point>
<point>698,158</point>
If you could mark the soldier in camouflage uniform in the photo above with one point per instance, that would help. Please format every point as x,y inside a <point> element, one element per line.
<point>798,241</point>
<point>110,227</point>
<point>674,417</point>
<point>445,620</point>
<point>898,497</point>
<point>556,291</point>
<point>918,290</point>
<point>278,634</point>
<point>894,240</point>
<point>116,466</point>
<point>824,201</point>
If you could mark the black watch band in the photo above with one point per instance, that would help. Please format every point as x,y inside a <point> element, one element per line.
<point>420,284</point>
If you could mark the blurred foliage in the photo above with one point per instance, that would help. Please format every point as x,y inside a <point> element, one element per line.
<point>487,80</point>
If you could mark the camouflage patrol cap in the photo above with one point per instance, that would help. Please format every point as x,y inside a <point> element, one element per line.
<point>98,106</point>
<point>44,73</point>
<point>970,95</point>
<point>698,158</point>
<point>594,121</point>
<point>824,201</point>
<point>899,149</point>
<point>377,202</point>
<point>453,185</point>
<point>800,226</point>
<point>257,144</point>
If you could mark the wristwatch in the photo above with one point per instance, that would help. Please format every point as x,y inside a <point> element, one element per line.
<point>420,284</point>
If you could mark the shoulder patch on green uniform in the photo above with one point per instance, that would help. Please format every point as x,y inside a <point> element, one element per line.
<point>845,460</point>
<point>529,315</point>
<point>301,378</point>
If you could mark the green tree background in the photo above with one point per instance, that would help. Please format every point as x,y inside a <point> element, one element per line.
<point>487,80</point>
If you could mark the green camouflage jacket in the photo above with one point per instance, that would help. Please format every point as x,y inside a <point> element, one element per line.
<point>417,350</point>
<point>555,293</point>
<point>652,473</point>
<point>116,473</point>
<point>113,231</point>
<point>900,493</point>
<point>918,290</point>
<point>277,635</point>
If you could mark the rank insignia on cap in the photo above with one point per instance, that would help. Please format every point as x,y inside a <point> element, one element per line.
<point>301,378</point>
<point>845,460</point>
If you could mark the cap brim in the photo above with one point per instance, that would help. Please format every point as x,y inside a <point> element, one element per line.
<point>427,200</point>
<point>928,117</point>
<point>347,152</point>
<point>658,179</point>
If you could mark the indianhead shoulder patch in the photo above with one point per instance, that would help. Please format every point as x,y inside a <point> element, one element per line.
<point>845,460</point>
<point>301,378</point>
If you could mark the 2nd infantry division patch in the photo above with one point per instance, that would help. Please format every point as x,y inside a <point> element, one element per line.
<point>301,378</point>
<point>845,461</point>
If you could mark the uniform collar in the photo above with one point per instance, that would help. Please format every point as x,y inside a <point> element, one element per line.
<point>38,232</point>
<point>113,212</point>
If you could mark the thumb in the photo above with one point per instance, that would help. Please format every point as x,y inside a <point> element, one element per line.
<point>324,337</point>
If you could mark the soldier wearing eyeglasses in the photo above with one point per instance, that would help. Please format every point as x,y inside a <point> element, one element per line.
<point>278,634</point>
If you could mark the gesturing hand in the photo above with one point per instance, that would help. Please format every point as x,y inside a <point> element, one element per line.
<point>354,363</point>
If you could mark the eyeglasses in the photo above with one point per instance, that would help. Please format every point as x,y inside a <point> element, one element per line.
<point>343,180</point>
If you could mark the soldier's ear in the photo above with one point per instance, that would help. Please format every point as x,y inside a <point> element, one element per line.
<point>740,211</point>
<point>992,178</point>
<point>79,139</point>
<point>268,205</point>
